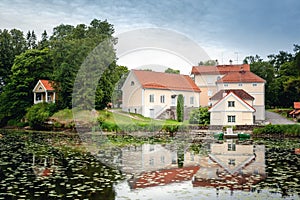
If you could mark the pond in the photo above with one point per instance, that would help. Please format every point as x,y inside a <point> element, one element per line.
<point>65,166</point>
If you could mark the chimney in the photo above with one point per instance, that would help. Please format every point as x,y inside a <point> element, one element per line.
<point>230,61</point>
<point>242,70</point>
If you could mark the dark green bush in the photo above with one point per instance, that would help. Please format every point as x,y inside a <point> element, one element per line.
<point>288,130</point>
<point>200,116</point>
<point>37,114</point>
<point>180,108</point>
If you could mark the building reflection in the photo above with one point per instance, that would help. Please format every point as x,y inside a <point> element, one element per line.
<point>228,164</point>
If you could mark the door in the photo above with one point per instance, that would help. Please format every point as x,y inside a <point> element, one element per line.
<point>151,113</point>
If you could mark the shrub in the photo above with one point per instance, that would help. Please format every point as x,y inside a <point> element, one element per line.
<point>200,116</point>
<point>37,114</point>
<point>180,108</point>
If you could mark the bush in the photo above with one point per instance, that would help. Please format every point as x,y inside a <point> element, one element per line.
<point>37,114</point>
<point>200,116</point>
<point>288,130</point>
<point>180,108</point>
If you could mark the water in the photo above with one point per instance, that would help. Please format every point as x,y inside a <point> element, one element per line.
<point>60,166</point>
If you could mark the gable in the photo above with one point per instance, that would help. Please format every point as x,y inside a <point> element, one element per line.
<point>240,105</point>
<point>43,86</point>
<point>222,160</point>
<point>39,87</point>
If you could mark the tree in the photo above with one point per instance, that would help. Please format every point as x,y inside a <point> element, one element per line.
<point>208,63</point>
<point>180,108</point>
<point>279,59</point>
<point>31,40</point>
<point>44,41</point>
<point>172,71</point>
<point>252,59</point>
<point>200,116</point>
<point>108,83</point>
<point>28,68</point>
<point>12,43</point>
<point>75,48</point>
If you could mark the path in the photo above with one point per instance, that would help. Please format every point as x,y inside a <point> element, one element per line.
<point>275,118</point>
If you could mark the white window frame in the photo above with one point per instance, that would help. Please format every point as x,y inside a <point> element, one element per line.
<point>192,100</point>
<point>151,98</point>
<point>231,104</point>
<point>231,118</point>
<point>162,99</point>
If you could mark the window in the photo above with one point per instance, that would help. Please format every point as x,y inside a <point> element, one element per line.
<point>151,98</point>
<point>162,99</point>
<point>162,159</point>
<point>231,162</point>
<point>191,100</point>
<point>192,157</point>
<point>225,85</point>
<point>231,118</point>
<point>132,83</point>
<point>173,99</point>
<point>231,147</point>
<point>49,98</point>
<point>151,161</point>
<point>135,110</point>
<point>254,84</point>
<point>230,103</point>
<point>151,148</point>
<point>218,78</point>
<point>40,88</point>
<point>209,93</point>
<point>38,97</point>
<point>240,84</point>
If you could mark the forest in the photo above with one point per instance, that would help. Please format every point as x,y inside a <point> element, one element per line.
<point>24,60</point>
<point>57,57</point>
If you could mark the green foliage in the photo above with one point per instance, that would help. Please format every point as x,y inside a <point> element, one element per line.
<point>39,113</point>
<point>200,116</point>
<point>28,68</point>
<point>180,108</point>
<point>12,43</point>
<point>208,63</point>
<point>288,130</point>
<point>281,73</point>
<point>172,71</point>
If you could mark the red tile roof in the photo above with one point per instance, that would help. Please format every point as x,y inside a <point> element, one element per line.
<point>47,84</point>
<point>159,80</point>
<point>219,69</point>
<point>240,93</point>
<point>241,77</point>
<point>163,177</point>
<point>296,105</point>
<point>243,100</point>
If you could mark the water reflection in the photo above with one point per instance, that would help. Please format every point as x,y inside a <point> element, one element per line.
<point>231,164</point>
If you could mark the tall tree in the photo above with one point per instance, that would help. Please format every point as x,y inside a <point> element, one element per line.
<point>12,43</point>
<point>180,108</point>
<point>44,41</point>
<point>31,40</point>
<point>28,68</point>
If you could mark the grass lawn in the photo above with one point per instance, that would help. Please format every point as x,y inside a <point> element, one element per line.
<point>114,120</point>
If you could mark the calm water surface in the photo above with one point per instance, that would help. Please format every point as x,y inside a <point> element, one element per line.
<point>61,166</point>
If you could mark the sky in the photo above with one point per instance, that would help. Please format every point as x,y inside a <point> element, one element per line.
<point>225,29</point>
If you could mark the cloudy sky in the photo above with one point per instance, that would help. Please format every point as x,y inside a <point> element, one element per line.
<point>225,29</point>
